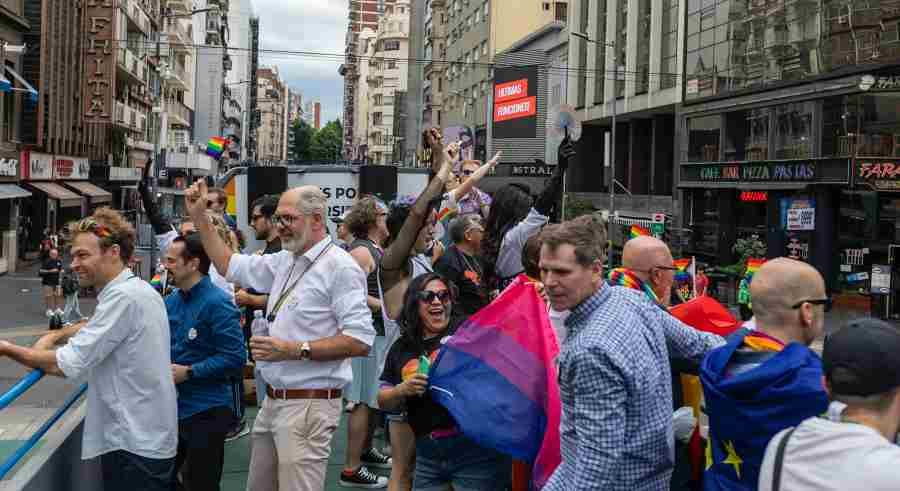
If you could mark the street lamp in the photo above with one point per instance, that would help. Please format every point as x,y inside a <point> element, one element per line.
<point>612,158</point>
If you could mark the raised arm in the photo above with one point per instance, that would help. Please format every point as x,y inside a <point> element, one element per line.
<point>552,191</point>
<point>394,260</point>
<point>216,248</point>
<point>476,176</point>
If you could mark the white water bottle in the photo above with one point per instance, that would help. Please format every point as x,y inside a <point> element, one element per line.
<point>260,326</point>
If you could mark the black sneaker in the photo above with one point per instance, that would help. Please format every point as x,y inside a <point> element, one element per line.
<point>362,478</point>
<point>238,431</point>
<point>376,459</point>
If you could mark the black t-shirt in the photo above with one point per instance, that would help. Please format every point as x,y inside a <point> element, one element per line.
<point>51,279</point>
<point>273,247</point>
<point>424,415</point>
<point>466,272</point>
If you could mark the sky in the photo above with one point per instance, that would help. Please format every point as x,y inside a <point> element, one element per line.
<point>318,26</point>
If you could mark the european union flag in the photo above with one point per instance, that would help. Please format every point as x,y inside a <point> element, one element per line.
<point>748,408</point>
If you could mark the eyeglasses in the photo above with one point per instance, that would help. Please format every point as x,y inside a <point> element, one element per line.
<point>284,220</point>
<point>648,271</point>
<point>428,296</point>
<point>826,302</point>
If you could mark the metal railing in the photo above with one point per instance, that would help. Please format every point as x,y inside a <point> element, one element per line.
<point>14,393</point>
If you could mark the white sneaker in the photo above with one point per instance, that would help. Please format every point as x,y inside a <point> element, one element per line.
<point>60,312</point>
<point>49,313</point>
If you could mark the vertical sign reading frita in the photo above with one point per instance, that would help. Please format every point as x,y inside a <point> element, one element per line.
<point>99,60</point>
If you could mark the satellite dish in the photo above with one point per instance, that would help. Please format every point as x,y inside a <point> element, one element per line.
<point>563,119</point>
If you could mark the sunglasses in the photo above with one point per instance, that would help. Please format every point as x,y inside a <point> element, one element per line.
<point>826,302</point>
<point>468,172</point>
<point>428,296</point>
<point>90,225</point>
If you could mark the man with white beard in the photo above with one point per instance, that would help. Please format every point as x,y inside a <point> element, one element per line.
<point>305,355</point>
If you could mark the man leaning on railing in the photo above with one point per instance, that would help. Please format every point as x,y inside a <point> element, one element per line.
<point>123,351</point>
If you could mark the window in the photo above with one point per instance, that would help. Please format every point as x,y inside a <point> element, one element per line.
<point>469,22</point>
<point>478,16</point>
<point>439,118</point>
<point>376,119</point>
<point>562,11</point>
<point>747,135</point>
<point>668,66</point>
<point>391,45</point>
<point>546,6</point>
<point>486,9</point>
<point>378,99</point>
<point>440,84</point>
<point>793,130</point>
<point>484,48</point>
<point>600,55</point>
<point>392,64</point>
<point>703,138</point>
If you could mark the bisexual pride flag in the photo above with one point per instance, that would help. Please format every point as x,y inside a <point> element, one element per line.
<point>215,147</point>
<point>497,376</point>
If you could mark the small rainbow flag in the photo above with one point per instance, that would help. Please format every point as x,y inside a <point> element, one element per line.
<point>753,264</point>
<point>638,231</point>
<point>216,146</point>
<point>682,274</point>
<point>156,282</point>
<point>627,278</point>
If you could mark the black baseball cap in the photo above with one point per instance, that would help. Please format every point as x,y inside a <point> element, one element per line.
<point>861,358</point>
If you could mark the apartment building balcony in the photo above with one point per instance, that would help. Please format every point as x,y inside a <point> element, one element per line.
<point>133,67</point>
<point>139,143</point>
<point>178,77</point>
<point>178,37</point>
<point>178,6</point>
<point>138,20</point>
<point>179,114</point>
<point>222,4</point>
<point>130,118</point>
<point>213,29</point>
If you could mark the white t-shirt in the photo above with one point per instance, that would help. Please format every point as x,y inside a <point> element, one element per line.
<point>824,455</point>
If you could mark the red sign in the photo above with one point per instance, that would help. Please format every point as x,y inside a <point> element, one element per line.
<point>521,108</point>
<point>510,91</point>
<point>754,196</point>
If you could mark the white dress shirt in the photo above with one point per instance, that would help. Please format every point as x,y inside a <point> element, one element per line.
<point>124,352</point>
<point>330,299</point>
<point>166,239</point>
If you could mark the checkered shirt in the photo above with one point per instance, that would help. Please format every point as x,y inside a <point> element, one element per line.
<point>616,388</point>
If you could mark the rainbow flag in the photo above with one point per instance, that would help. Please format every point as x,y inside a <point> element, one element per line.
<point>497,377</point>
<point>682,274</point>
<point>638,231</point>
<point>753,265</point>
<point>215,147</point>
<point>156,282</point>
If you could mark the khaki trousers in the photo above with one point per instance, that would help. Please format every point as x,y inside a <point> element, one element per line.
<point>291,443</point>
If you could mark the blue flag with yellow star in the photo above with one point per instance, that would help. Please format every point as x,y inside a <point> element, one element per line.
<point>747,407</point>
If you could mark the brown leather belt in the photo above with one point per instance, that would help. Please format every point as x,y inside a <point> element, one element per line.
<point>302,393</point>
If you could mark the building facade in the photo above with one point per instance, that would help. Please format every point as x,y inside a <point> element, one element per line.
<point>271,133</point>
<point>237,80</point>
<point>363,14</point>
<point>388,75</point>
<point>253,106</point>
<point>789,137</point>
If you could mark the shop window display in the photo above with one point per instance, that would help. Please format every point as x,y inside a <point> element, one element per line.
<point>747,135</point>
<point>793,130</point>
<point>862,125</point>
<point>703,138</point>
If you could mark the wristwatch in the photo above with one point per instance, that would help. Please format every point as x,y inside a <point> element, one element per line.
<point>305,351</point>
<point>190,373</point>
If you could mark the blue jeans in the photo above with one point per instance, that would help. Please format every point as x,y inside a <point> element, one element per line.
<point>131,472</point>
<point>460,462</point>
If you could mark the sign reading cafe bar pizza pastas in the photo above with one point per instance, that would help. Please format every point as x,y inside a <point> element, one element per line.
<point>98,29</point>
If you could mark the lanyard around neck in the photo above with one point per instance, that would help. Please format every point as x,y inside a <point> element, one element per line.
<point>286,291</point>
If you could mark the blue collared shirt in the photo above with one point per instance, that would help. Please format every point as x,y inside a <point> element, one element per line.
<point>207,336</point>
<point>616,390</point>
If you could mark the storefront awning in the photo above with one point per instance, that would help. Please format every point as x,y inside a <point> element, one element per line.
<point>6,86</point>
<point>55,191</point>
<point>750,186</point>
<point>96,194</point>
<point>10,191</point>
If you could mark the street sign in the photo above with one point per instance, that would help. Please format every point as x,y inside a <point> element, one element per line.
<point>659,218</point>
<point>657,229</point>
<point>881,279</point>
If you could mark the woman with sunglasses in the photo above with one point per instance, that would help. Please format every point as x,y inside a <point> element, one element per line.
<point>515,216</point>
<point>411,226</point>
<point>444,456</point>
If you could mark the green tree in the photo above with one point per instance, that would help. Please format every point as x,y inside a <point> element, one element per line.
<point>326,143</point>
<point>303,134</point>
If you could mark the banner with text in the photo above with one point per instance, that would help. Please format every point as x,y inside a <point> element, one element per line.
<point>515,102</point>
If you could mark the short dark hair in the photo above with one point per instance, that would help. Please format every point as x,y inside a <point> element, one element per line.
<point>585,233</point>
<point>267,205</point>
<point>193,249</point>
<point>531,256</point>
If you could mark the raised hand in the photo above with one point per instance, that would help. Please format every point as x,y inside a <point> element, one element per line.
<point>195,198</point>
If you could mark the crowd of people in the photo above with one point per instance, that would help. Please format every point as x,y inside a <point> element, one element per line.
<point>355,325</point>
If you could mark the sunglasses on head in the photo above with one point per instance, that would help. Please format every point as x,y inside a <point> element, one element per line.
<point>826,302</point>
<point>428,296</point>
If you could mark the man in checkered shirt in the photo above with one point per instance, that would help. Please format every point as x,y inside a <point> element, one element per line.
<point>614,373</point>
